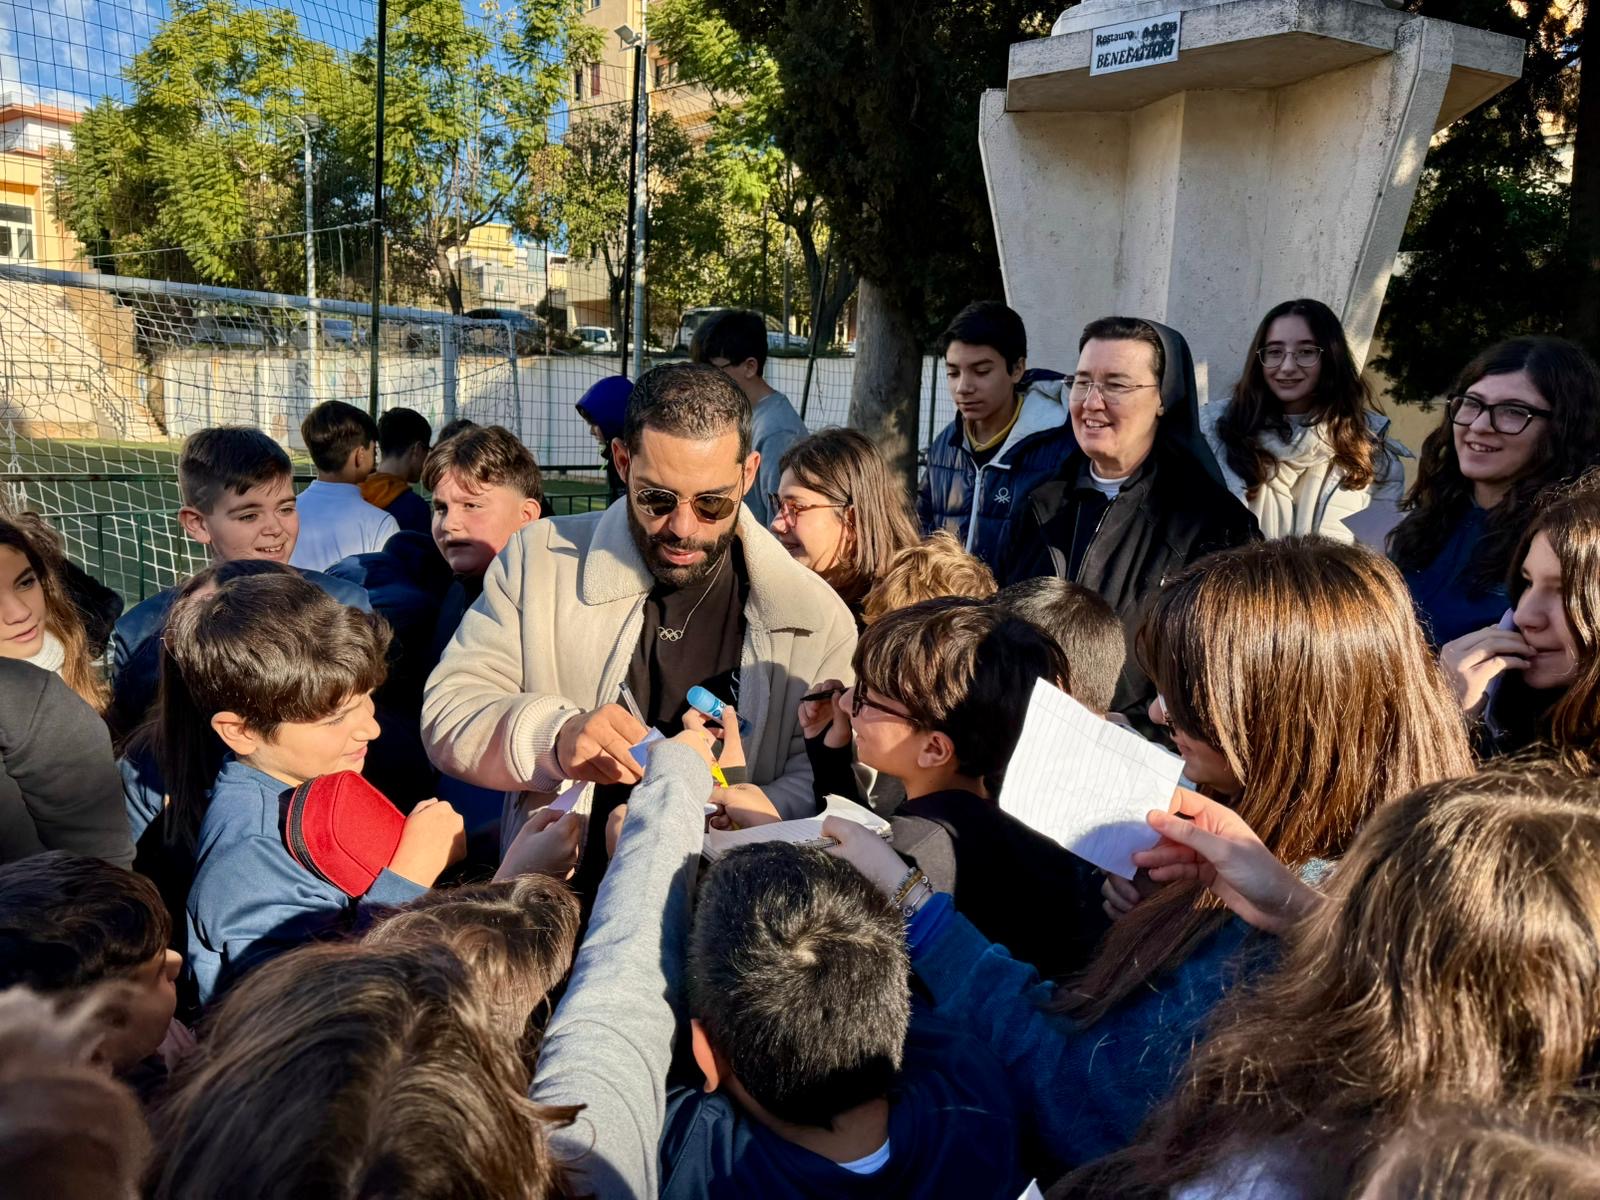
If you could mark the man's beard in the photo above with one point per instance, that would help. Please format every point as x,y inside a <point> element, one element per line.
<point>674,576</point>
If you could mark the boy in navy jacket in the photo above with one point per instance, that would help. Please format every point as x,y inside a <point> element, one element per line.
<point>1010,433</point>
<point>820,1079</point>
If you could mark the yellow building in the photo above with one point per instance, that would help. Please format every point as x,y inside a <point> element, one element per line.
<point>596,91</point>
<point>29,231</point>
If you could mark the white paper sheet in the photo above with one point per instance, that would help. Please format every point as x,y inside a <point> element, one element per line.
<point>1086,783</point>
<point>804,830</point>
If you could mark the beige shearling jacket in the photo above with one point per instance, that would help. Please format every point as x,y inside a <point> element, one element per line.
<point>552,634</point>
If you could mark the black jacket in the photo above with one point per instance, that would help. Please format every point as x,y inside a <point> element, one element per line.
<point>59,787</point>
<point>1022,890</point>
<point>1174,510</point>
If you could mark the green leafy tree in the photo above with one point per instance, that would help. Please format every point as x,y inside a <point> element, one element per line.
<point>205,157</point>
<point>1488,251</point>
<point>747,97</point>
<point>880,114</point>
<point>580,197</point>
<point>467,107</point>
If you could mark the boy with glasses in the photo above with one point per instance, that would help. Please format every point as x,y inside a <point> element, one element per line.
<point>941,691</point>
<point>592,629</point>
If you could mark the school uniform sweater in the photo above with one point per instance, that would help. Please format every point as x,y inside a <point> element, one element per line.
<point>250,900</point>
<point>952,1133</point>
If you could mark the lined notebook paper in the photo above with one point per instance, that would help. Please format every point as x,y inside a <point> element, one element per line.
<point>1086,783</point>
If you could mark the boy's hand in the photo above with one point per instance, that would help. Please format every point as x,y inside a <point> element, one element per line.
<point>548,844</point>
<point>434,837</point>
<point>866,852</point>
<point>726,728</point>
<point>742,805</point>
<point>593,746</point>
<point>619,814</point>
<point>829,714</point>
<point>697,737</point>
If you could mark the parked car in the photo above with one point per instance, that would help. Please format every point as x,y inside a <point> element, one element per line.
<point>240,332</point>
<point>488,338</point>
<point>333,333</point>
<point>777,339</point>
<point>596,338</point>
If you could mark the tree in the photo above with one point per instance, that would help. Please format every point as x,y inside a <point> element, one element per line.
<point>205,157</point>
<point>880,113</point>
<point>1488,251</point>
<point>581,193</point>
<point>747,95</point>
<point>467,106</point>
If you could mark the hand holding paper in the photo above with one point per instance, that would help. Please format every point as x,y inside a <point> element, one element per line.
<point>1086,783</point>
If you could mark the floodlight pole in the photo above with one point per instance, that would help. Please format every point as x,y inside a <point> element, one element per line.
<point>377,206</point>
<point>307,124</point>
<point>641,190</point>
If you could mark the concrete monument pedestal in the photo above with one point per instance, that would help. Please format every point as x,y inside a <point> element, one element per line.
<point>1276,157</point>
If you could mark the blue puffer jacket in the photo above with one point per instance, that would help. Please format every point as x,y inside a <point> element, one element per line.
<point>954,486</point>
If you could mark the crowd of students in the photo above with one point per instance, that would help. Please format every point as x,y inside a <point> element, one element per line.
<point>1358,960</point>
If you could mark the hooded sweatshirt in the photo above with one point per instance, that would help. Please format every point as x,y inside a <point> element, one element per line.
<point>980,504</point>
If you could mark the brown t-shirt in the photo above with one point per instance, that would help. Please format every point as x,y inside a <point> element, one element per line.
<point>663,670</point>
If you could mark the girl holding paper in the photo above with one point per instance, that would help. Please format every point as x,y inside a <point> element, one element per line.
<point>1299,670</point>
<point>1451,962</point>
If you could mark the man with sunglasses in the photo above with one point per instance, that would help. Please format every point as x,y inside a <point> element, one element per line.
<point>592,629</point>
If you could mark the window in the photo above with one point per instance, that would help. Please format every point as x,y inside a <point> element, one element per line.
<point>594,79</point>
<point>661,73</point>
<point>577,83</point>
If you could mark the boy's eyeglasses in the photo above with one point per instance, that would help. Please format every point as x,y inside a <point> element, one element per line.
<point>1111,393</point>
<point>1510,417</point>
<point>858,701</point>
<point>791,510</point>
<point>1304,356</point>
<point>708,506</point>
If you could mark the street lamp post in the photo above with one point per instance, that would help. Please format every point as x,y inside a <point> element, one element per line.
<point>308,125</point>
<point>641,126</point>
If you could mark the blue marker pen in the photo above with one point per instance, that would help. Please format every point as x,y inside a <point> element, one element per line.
<point>703,701</point>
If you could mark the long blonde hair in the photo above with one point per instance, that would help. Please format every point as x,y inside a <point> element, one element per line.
<point>1301,662</point>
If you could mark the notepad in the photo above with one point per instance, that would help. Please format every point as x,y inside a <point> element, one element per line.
<point>806,831</point>
<point>1086,783</point>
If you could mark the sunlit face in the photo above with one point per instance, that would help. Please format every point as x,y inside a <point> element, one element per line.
<point>21,606</point>
<point>1491,460</point>
<point>1541,616</point>
<point>981,386</point>
<point>150,1007</point>
<point>1294,385</point>
<point>683,547</point>
<point>260,522</point>
<point>1203,763</point>
<point>884,741</point>
<point>302,750</point>
<point>1117,435</point>
<point>816,534</point>
<point>472,524</point>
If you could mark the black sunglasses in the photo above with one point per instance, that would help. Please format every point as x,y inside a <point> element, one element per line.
<point>708,506</point>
